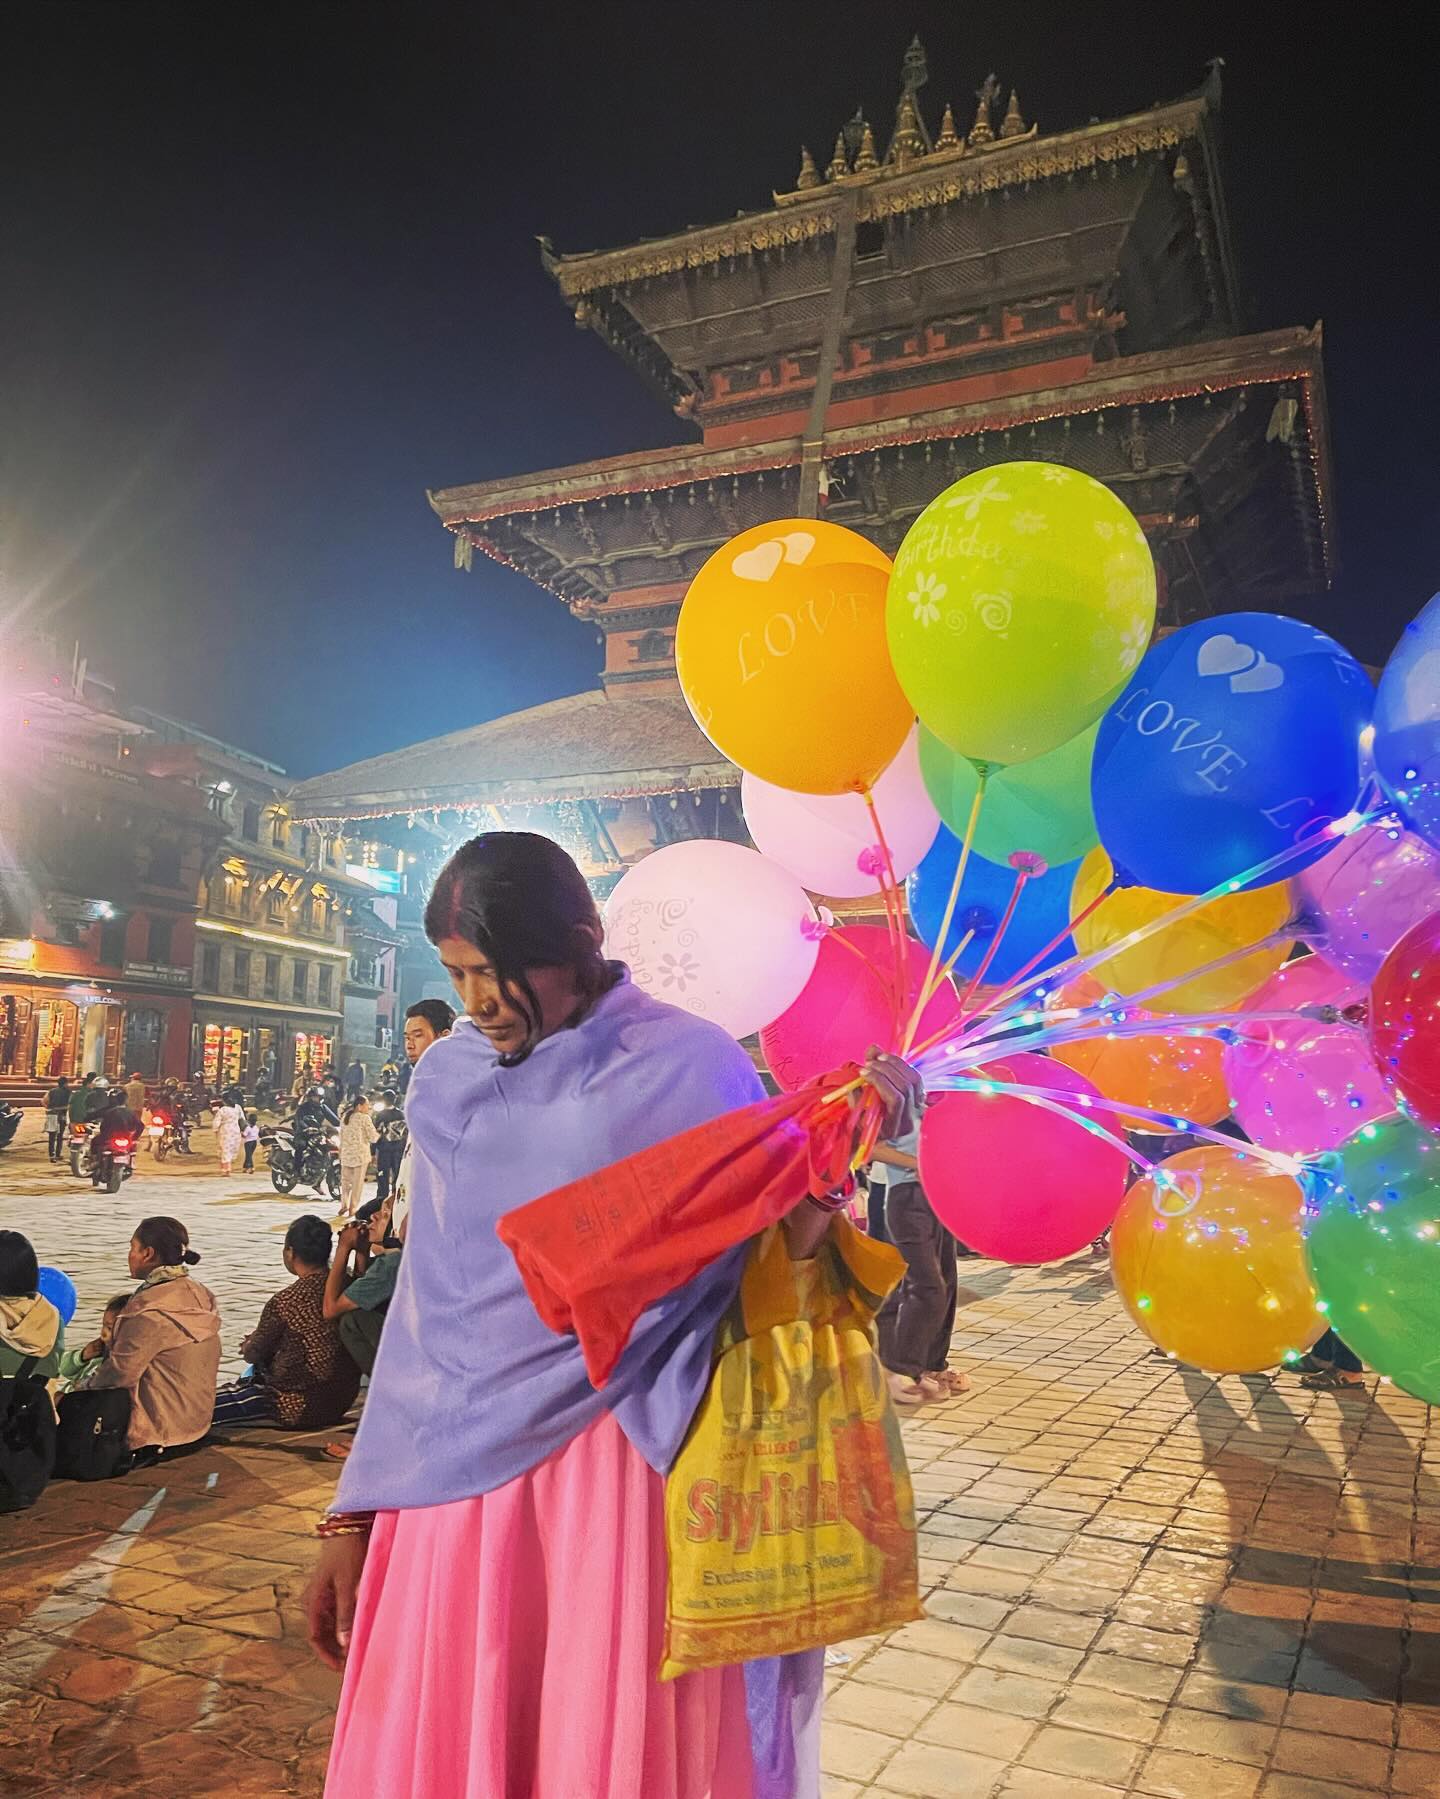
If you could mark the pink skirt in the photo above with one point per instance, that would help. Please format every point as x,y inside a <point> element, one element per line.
<point>505,1647</point>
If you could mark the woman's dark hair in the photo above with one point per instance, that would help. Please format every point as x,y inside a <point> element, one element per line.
<point>169,1239</point>
<point>19,1269</point>
<point>524,904</point>
<point>309,1240</point>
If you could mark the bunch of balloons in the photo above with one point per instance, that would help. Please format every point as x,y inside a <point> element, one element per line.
<point>1182,890</point>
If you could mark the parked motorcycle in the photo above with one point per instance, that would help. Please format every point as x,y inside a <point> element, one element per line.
<point>318,1166</point>
<point>10,1117</point>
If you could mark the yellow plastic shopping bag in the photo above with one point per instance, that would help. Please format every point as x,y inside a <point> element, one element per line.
<point>790,1521</point>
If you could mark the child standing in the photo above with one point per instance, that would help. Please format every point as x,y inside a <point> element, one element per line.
<point>250,1136</point>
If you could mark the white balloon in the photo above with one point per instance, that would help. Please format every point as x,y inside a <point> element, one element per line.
<point>828,840</point>
<point>716,929</point>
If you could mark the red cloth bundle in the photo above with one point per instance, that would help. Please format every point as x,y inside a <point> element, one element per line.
<point>594,1254</point>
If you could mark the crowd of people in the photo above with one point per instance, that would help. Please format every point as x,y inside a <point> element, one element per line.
<point>160,1343</point>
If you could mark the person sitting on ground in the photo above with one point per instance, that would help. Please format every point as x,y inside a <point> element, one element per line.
<point>361,1282</point>
<point>166,1345</point>
<point>302,1379</point>
<point>29,1323</point>
<point>79,1363</point>
<point>359,1288</point>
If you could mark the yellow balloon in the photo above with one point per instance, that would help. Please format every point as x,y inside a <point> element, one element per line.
<point>1208,1256</point>
<point>782,656</point>
<point>1167,1071</point>
<point>1220,926</point>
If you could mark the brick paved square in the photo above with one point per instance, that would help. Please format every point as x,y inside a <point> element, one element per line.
<point>1141,1581</point>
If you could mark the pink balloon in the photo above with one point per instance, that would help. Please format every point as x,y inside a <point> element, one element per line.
<point>715,929</point>
<point>828,841</point>
<point>1360,900</point>
<point>1302,1086</point>
<point>1013,1179</point>
<point>846,1006</point>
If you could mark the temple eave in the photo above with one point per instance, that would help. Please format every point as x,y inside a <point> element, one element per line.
<point>934,180</point>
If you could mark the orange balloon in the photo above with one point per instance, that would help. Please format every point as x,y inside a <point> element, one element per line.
<point>1209,1258</point>
<point>1165,1070</point>
<point>782,656</point>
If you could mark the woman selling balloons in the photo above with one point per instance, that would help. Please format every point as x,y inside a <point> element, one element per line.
<point>1130,887</point>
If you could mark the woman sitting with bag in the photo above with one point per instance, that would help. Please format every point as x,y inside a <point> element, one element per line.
<point>31,1340</point>
<point>29,1324</point>
<point>166,1348</point>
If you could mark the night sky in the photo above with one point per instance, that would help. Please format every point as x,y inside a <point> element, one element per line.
<point>269,272</point>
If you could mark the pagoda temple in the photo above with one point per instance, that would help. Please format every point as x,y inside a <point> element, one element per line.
<point>933,298</point>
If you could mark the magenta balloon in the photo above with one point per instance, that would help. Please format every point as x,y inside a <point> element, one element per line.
<point>845,1007</point>
<point>828,840</point>
<point>716,930</point>
<point>1301,1086</point>
<point>1360,900</point>
<point>1014,1180</point>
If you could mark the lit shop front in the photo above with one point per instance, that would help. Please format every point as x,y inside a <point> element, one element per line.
<point>238,1044</point>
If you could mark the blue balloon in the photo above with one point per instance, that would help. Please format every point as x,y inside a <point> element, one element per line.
<point>1236,738</point>
<point>1042,914</point>
<point>1407,724</point>
<point>59,1289</point>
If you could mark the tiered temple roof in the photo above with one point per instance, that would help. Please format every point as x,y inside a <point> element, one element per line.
<point>877,331</point>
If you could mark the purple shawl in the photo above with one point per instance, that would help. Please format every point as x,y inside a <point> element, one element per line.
<point>470,1389</point>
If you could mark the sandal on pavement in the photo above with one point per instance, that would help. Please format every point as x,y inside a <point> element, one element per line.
<point>1330,1380</point>
<point>952,1380</point>
<point>905,1391</point>
<point>337,1452</point>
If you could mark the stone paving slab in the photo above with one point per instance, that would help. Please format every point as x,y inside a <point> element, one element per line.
<point>1139,1580</point>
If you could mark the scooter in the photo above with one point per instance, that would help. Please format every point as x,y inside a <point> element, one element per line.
<point>321,1162</point>
<point>10,1117</point>
<point>82,1145</point>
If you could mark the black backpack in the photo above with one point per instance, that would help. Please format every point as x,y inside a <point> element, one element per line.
<point>93,1427</point>
<point>27,1437</point>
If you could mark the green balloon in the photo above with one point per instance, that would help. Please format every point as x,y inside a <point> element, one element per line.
<point>1041,806</point>
<point>1374,1245</point>
<point>1020,603</point>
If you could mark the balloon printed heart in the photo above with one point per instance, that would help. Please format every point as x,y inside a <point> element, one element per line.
<point>1226,749</point>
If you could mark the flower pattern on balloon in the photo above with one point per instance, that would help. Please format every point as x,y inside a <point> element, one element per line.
<point>925,597</point>
<point>1058,476</point>
<point>1028,523</point>
<point>679,971</point>
<point>970,502</point>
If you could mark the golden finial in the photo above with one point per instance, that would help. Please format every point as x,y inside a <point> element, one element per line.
<point>949,138</point>
<point>865,157</point>
<point>1012,125</point>
<point>809,175</point>
<point>982,131</point>
<point>908,140</point>
<point>839,168</point>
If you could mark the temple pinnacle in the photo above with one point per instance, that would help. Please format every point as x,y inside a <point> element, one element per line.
<point>949,138</point>
<point>1012,125</point>
<point>982,131</point>
<point>866,157</point>
<point>809,175</point>
<point>907,143</point>
<point>839,168</point>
